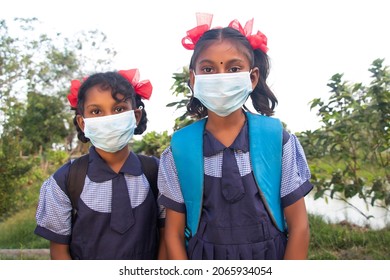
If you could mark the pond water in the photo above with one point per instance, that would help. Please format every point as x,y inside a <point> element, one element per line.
<point>334,211</point>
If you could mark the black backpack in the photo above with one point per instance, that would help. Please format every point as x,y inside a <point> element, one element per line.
<point>78,171</point>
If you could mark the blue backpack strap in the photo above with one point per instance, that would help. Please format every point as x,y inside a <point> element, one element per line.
<point>265,146</point>
<point>187,151</point>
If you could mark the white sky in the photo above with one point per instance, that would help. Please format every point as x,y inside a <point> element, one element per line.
<point>308,41</point>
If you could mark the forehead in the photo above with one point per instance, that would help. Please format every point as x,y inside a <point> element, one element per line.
<point>97,92</point>
<point>99,95</point>
<point>223,51</point>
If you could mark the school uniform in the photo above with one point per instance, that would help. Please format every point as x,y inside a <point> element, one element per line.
<point>235,224</point>
<point>92,235</point>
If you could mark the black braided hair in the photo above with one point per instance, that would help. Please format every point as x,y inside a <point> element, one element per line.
<point>263,99</point>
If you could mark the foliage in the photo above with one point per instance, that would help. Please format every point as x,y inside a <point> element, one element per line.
<point>13,173</point>
<point>18,232</point>
<point>180,88</point>
<point>25,176</point>
<point>43,114</point>
<point>344,241</point>
<point>37,66</point>
<point>152,143</point>
<point>35,73</point>
<point>355,134</point>
<point>55,159</point>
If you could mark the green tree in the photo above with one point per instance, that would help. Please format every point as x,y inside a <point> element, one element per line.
<point>36,64</point>
<point>44,123</point>
<point>13,171</point>
<point>35,73</point>
<point>354,139</point>
<point>154,143</point>
<point>180,89</point>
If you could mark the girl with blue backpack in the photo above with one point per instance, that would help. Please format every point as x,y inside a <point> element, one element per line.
<point>233,183</point>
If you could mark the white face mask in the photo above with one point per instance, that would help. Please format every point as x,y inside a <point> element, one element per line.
<point>223,93</point>
<point>111,133</point>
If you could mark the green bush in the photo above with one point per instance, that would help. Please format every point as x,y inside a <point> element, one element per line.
<point>17,232</point>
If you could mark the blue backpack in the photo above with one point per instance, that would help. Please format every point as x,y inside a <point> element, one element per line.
<point>265,146</point>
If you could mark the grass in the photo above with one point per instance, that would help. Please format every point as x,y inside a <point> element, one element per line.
<point>17,232</point>
<point>328,241</point>
<point>344,241</point>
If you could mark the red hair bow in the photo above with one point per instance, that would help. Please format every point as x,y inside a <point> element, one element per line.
<point>142,88</point>
<point>204,23</point>
<point>257,41</point>
<point>74,90</point>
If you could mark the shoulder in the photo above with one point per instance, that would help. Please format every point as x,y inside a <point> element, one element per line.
<point>188,138</point>
<point>262,119</point>
<point>286,136</point>
<point>189,129</point>
<point>293,152</point>
<point>166,155</point>
<point>290,139</point>
<point>146,159</point>
<point>167,162</point>
<point>61,175</point>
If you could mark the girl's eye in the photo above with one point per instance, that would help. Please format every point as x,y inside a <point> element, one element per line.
<point>207,69</point>
<point>119,109</point>
<point>95,112</point>
<point>234,69</point>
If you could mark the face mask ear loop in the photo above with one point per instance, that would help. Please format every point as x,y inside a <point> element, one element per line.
<point>193,71</point>
<point>189,82</point>
<point>244,106</point>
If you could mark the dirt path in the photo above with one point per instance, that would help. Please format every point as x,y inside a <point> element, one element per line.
<point>25,253</point>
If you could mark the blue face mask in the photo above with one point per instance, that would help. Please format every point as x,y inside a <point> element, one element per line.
<point>111,133</point>
<point>223,93</point>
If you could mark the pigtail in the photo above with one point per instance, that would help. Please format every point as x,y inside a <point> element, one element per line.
<point>263,99</point>
<point>141,127</point>
<point>80,133</point>
<point>195,108</point>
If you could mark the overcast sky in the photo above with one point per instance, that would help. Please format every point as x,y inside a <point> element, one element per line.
<point>308,41</point>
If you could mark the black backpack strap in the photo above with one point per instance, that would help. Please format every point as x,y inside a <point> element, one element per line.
<point>76,179</point>
<point>150,169</point>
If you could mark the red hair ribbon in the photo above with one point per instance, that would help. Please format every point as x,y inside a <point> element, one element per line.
<point>74,90</point>
<point>203,21</point>
<point>257,41</point>
<point>142,88</point>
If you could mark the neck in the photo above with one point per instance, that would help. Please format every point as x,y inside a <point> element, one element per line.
<point>226,129</point>
<point>235,119</point>
<point>114,160</point>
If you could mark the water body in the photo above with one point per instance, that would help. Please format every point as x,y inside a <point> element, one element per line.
<point>335,211</point>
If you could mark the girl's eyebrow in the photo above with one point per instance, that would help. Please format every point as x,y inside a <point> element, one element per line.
<point>92,105</point>
<point>231,61</point>
<point>123,101</point>
<point>206,61</point>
